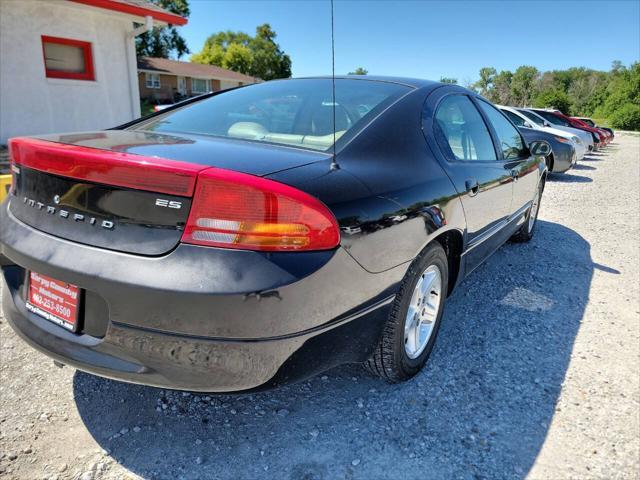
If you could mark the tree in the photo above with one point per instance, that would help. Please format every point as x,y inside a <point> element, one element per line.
<point>359,71</point>
<point>553,98</point>
<point>501,91</point>
<point>622,97</point>
<point>449,80</point>
<point>164,41</point>
<point>485,84</point>
<point>523,85</point>
<point>612,95</point>
<point>626,117</point>
<point>259,56</point>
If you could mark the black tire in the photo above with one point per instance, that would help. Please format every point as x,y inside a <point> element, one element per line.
<point>390,360</point>
<point>524,233</point>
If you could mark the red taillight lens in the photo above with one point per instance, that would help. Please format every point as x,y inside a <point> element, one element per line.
<point>236,210</point>
<point>13,170</point>
<point>105,166</point>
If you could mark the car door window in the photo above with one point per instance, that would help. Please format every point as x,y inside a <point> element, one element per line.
<point>461,131</point>
<point>511,143</point>
<point>536,119</point>
<point>516,119</point>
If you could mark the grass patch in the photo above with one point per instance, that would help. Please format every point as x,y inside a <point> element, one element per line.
<point>146,108</point>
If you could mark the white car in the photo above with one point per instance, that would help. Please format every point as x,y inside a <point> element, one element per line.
<point>522,120</point>
<point>586,137</point>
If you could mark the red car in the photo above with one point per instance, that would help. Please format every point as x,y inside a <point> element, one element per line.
<point>574,122</point>
<point>589,123</point>
<point>599,136</point>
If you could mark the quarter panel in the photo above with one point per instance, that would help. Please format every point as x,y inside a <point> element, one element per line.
<point>389,195</point>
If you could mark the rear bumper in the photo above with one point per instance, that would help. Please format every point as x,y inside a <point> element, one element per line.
<point>199,318</point>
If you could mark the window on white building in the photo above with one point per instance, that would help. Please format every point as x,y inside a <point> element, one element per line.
<point>152,80</point>
<point>67,58</point>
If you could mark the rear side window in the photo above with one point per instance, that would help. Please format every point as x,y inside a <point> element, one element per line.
<point>533,117</point>
<point>289,112</point>
<point>510,139</point>
<point>516,119</point>
<point>461,131</point>
<point>552,118</point>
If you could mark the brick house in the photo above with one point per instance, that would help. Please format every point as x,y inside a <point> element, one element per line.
<point>165,81</point>
<point>70,65</point>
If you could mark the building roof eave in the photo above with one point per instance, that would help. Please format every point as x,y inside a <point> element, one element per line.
<point>159,15</point>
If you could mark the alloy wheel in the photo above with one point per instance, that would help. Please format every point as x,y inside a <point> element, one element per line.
<point>423,312</point>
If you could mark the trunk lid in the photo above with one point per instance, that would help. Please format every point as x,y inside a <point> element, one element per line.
<point>127,190</point>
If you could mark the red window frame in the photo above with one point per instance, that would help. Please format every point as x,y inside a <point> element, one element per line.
<point>89,72</point>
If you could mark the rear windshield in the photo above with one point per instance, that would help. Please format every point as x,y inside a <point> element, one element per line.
<point>288,112</point>
<point>551,117</point>
<point>532,116</point>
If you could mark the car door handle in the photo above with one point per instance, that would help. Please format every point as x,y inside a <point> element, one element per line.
<point>472,187</point>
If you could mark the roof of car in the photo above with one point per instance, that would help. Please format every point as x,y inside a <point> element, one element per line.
<point>412,82</point>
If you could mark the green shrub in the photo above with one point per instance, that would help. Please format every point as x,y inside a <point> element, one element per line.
<point>552,98</point>
<point>627,117</point>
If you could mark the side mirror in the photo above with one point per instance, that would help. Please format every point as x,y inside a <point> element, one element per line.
<point>528,125</point>
<point>547,124</point>
<point>540,148</point>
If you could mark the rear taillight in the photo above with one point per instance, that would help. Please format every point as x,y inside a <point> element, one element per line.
<point>236,210</point>
<point>13,170</point>
<point>105,166</point>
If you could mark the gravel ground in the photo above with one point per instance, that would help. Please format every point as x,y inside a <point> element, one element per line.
<point>535,374</point>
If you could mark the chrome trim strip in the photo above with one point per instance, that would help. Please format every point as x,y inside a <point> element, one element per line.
<point>490,233</point>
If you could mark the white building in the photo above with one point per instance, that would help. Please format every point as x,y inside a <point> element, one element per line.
<point>70,65</point>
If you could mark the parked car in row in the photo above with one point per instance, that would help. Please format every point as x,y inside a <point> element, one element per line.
<point>591,123</point>
<point>253,237</point>
<point>557,118</point>
<point>559,136</point>
<point>601,131</point>
<point>584,136</point>
<point>563,153</point>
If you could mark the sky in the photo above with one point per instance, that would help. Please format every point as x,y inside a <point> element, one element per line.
<point>432,39</point>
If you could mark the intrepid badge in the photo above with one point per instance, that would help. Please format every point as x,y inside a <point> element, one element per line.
<point>59,212</point>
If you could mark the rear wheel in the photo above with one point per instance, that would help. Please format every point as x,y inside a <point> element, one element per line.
<point>412,326</point>
<point>526,231</point>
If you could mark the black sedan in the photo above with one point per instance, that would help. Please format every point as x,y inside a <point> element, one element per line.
<point>260,235</point>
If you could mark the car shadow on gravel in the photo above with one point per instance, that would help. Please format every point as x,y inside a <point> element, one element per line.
<point>568,178</point>
<point>583,167</point>
<point>481,408</point>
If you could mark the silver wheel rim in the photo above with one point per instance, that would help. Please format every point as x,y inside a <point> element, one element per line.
<point>423,312</point>
<point>534,211</point>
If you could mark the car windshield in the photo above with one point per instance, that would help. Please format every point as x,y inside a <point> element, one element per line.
<point>297,113</point>
<point>588,121</point>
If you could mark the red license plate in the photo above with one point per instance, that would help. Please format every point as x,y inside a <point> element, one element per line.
<point>54,300</point>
